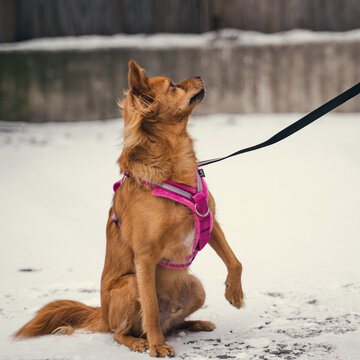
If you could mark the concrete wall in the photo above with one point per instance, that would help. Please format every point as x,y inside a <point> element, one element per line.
<point>261,75</point>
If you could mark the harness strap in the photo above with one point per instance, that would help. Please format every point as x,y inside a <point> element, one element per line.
<point>116,220</point>
<point>198,204</point>
<point>176,190</point>
<point>196,200</point>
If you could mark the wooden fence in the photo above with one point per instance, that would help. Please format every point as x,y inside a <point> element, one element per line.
<point>27,19</point>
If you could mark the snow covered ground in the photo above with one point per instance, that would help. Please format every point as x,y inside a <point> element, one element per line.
<point>291,213</point>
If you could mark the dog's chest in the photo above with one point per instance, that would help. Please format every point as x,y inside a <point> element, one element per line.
<point>181,246</point>
<point>188,241</point>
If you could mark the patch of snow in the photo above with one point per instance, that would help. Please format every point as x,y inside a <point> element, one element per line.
<point>218,38</point>
<point>290,212</point>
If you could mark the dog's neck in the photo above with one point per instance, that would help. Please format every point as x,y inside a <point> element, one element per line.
<point>169,156</point>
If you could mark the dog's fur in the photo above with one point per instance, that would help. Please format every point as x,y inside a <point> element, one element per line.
<point>140,300</point>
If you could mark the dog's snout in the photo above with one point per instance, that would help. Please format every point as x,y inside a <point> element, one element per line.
<point>198,77</point>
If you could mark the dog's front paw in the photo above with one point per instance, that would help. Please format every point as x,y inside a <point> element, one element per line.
<point>162,350</point>
<point>233,291</point>
<point>139,345</point>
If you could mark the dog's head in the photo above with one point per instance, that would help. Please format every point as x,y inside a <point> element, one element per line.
<point>160,100</point>
<point>156,142</point>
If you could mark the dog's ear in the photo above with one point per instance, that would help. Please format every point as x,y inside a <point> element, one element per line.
<point>138,81</point>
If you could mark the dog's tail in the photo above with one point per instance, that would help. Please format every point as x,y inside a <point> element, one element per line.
<point>63,316</point>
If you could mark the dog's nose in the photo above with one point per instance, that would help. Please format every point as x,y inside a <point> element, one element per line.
<point>198,77</point>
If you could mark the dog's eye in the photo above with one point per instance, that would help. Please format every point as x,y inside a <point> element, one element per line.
<point>172,84</point>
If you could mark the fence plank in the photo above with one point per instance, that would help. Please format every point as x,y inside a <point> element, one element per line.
<point>44,18</point>
<point>7,21</point>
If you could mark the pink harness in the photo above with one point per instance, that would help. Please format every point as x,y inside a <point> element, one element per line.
<point>196,200</point>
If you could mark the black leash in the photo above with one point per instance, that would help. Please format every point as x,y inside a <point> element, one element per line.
<point>296,126</point>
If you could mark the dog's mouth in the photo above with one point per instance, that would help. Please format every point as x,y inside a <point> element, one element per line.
<point>198,96</point>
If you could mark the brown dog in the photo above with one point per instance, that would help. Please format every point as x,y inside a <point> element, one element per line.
<point>140,300</point>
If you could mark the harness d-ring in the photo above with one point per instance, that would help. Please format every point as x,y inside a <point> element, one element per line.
<point>202,215</point>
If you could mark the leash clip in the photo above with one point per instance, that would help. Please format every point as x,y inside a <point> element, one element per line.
<point>202,215</point>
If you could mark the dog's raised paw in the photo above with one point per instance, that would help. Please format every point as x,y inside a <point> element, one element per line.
<point>162,350</point>
<point>234,295</point>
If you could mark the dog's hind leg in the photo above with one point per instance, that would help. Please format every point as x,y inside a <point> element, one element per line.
<point>124,315</point>
<point>191,298</point>
<point>196,325</point>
